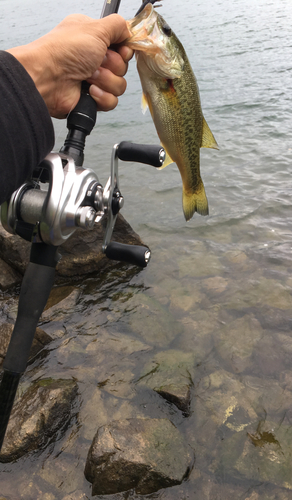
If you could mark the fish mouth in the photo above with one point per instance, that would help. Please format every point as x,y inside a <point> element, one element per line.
<point>141,28</point>
<point>146,37</point>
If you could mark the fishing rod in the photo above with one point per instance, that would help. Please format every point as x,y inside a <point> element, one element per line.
<point>60,197</point>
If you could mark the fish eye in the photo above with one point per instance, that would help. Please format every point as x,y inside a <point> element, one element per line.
<point>166,29</point>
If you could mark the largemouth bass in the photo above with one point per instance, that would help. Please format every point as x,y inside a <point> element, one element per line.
<point>171,92</point>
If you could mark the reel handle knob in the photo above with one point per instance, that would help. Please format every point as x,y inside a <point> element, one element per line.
<point>142,153</point>
<point>133,254</point>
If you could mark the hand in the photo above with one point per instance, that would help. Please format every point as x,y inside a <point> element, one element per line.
<point>76,50</point>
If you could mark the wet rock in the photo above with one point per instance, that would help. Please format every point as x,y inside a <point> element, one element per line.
<point>220,402</point>
<point>215,285</point>
<point>263,292</point>
<point>200,263</point>
<point>236,257</point>
<point>154,322</point>
<point>141,454</point>
<point>41,339</point>
<point>14,250</point>
<point>237,341</point>
<point>61,301</point>
<point>81,253</point>
<point>169,373</point>
<point>77,495</point>
<point>263,454</point>
<point>38,417</point>
<point>9,277</point>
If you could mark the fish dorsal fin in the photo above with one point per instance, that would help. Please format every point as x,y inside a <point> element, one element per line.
<point>144,103</point>
<point>168,160</point>
<point>208,139</point>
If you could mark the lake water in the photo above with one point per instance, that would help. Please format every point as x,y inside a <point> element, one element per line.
<point>219,287</point>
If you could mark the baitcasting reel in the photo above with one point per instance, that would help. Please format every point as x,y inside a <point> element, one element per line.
<point>62,196</point>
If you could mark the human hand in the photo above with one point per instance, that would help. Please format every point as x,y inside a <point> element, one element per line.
<point>76,50</point>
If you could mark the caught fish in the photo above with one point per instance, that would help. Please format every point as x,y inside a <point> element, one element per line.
<point>171,92</point>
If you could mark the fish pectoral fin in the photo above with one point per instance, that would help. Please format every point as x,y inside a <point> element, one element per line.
<point>168,160</point>
<point>144,103</point>
<point>208,139</point>
<point>195,201</point>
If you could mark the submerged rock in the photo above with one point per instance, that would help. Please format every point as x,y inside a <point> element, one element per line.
<point>141,454</point>
<point>170,374</point>
<point>44,410</point>
<point>263,454</point>
<point>81,253</point>
<point>237,340</point>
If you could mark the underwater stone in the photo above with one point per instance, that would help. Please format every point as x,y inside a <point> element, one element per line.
<point>237,341</point>
<point>263,454</point>
<point>170,374</point>
<point>141,454</point>
<point>38,417</point>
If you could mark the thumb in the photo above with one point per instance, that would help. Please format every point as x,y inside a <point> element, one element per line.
<point>114,29</point>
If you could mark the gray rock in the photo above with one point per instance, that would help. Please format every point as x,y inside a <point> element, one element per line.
<point>141,454</point>
<point>14,250</point>
<point>41,339</point>
<point>9,277</point>
<point>81,253</point>
<point>61,302</point>
<point>170,374</point>
<point>38,417</point>
<point>77,495</point>
<point>263,454</point>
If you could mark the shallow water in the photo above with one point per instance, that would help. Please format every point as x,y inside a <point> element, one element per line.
<point>218,286</point>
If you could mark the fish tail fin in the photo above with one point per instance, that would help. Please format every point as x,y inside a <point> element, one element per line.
<point>195,202</point>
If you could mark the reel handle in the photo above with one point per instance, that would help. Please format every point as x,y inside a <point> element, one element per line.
<point>141,153</point>
<point>132,254</point>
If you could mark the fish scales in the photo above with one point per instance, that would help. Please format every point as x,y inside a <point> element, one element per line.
<point>171,92</point>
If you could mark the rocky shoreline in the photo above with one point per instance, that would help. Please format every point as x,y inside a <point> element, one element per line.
<point>183,388</point>
<point>144,454</point>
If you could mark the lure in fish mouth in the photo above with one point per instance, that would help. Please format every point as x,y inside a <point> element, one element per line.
<point>171,92</point>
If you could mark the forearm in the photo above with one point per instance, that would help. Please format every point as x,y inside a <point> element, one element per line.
<point>26,130</point>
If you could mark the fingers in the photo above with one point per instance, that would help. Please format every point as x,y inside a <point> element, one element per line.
<point>115,63</point>
<point>108,81</point>
<point>104,100</point>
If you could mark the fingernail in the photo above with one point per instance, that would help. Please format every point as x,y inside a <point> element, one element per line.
<point>129,55</point>
<point>96,91</point>
<point>95,74</point>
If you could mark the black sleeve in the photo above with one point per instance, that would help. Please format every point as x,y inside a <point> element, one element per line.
<point>26,129</point>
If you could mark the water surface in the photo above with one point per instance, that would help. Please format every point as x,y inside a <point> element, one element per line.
<point>218,286</point>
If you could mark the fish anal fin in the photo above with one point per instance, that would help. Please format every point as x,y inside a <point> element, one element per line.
<point>208,139</point>
<point>195,202</point>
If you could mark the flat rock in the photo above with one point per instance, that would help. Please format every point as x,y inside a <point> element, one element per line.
<point>81,253</point>
<point>38,417</point>
<point>141,454</point>
<point>41,339</point>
